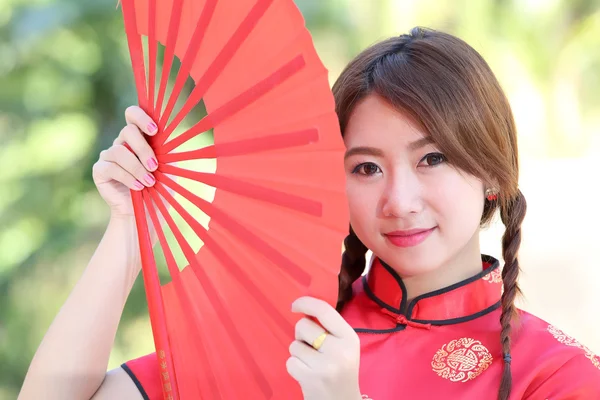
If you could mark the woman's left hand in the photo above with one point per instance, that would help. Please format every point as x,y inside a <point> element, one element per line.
<point>331,372</point>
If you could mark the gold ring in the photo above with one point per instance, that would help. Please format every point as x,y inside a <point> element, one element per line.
<point>318,342</point>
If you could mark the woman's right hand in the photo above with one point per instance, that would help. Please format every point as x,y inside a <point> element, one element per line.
<point>118,170</point>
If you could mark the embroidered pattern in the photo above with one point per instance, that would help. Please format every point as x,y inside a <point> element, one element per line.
<point>494,277</point>
<point>461,360</point>
<point>571,341</point>
<point>365,397</point>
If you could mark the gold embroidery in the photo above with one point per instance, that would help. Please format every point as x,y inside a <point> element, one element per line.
<point>571,341</point>
<point>563,337</point>
<point>494,277</point>
<point>165,374</point>
<point>461,360</point>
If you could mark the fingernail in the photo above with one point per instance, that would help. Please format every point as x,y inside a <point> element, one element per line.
<point>149,179</point>
<point>152,127</point>
<point>152,163</point>
<point>138,185</point>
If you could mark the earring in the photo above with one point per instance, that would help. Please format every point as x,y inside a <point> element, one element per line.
<point>491,194</point>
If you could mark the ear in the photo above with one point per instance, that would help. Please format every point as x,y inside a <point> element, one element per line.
<point>491,184</point>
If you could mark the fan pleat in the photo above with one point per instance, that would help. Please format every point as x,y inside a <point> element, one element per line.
<point>248,190</point>
<point>184,70</point>
<point>213,71</point>
<point>236,104</point>
<point>207,287</point>
<point>258,144</point>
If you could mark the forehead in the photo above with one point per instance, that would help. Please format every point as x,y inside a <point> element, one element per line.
<point>376,123</point>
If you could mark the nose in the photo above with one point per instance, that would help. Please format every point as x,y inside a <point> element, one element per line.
<point>402,195</point>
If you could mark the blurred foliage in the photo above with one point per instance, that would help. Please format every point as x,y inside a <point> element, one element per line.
<point>65,81</point>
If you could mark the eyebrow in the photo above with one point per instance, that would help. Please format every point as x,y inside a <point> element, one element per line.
<point>417,144</point>
<point>363,150</point>
<point>373,151</point>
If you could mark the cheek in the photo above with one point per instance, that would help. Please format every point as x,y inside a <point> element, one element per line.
<point>458,203</point>
<point>362,204</point>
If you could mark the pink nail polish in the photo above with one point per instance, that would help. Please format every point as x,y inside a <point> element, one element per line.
<point>138,185</point>
<point>152,127</point>
<point>149,179</point>
<point>152,163</point>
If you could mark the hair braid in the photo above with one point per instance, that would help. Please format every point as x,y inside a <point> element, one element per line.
<point>353,265</point>
<point>512,214</point>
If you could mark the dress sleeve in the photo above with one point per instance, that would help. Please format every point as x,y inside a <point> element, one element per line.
<point>145,374</point>
<point>578,378</point>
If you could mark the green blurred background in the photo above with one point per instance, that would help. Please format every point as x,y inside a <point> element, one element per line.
<point>65,81</point>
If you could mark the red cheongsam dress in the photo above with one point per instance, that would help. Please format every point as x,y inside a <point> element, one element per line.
<point>445,345</point>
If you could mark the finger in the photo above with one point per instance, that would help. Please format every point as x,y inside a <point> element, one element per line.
<point>129,162</point>
<point>298,370</point>
<point>106,171</point>
<point>327,316</point>
<point>135,115</point>
<point>308,330</point>
<point>140,147</point>
<point>305,353</point>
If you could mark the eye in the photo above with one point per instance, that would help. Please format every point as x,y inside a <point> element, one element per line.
<point>433,159</point>
<point>367,169</point>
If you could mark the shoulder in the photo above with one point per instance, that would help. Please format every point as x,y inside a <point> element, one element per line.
<point>145,374</point>
<point>544,339</point>
<point>563,366</point>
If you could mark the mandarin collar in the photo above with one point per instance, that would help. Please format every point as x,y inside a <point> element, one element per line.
<point>456,303</point>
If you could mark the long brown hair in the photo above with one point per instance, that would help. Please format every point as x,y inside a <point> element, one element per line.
<point>448,88</point>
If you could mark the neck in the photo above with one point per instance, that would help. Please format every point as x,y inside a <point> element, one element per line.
<point>464,265</point>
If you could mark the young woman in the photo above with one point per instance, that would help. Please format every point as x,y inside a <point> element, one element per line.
<point>431,158</point>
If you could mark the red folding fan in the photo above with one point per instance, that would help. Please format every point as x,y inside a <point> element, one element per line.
<point>255,217</point>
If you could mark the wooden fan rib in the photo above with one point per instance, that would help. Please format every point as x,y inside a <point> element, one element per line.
<point>238,103</point>
<point>184,303</point>
<point>202,233</point>
<point>185,247</point>
<point>207,285</point>
<point>152,49</point>
<point>218,64</point>
<point>247,146</point>
<point>153,292</point>
<point>175,278</point>
<point>288,266</point>
<point>170,259</point>
<point>179,301</point>
<point>136,52</point>
<point>242,188</point>
<point>187,63</point>
<point>169,55</point>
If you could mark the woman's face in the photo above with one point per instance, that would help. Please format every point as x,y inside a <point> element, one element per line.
<point>407,204</point>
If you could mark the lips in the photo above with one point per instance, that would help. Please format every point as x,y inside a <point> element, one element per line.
<point>408,232</point>
<point>409,237</point>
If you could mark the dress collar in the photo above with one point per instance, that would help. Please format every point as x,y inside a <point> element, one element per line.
<point>457,303</point>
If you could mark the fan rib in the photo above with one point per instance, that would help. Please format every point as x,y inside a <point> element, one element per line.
<point>218,65</point>
<point>246,189</point>
<point>153,291</point>
<point>169,54</point>
<point>170,259</point>
<point>183,303</point>
<point>209,289</point>
<point>237,272</point>
<point>238,230</point>
<point>136,52</point>
<point>236,104</point>
<point>180,290</point>
<point>247,146</point>
<point>152,49</point>
<point>188,60</point>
